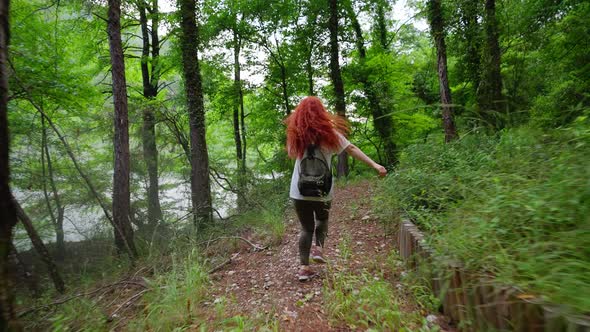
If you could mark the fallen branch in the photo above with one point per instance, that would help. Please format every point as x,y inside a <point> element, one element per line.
<point>126,304</point>
<point>69,298</point>
<point>255,246</point>
<point>220,266</point>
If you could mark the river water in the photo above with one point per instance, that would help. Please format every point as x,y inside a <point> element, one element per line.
<point>86,222</point>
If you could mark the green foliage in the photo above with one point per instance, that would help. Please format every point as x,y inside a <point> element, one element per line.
<point>344,247</point>
<point>362,302</point>
<point>241,323</point>
<point>431,177</point>
<point>520,195</point>
<point>370,302</point>
<point>265,210</point>
<point>515,206</point>
<point>176,296</point>
<point>419,283</point>
<point>79,315</point>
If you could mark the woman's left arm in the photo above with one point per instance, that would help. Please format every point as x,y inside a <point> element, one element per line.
<point>358,154</point>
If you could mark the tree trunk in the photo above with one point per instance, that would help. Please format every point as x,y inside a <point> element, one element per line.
<point>469,11</point>
<point>358,33</point>
<point>309,69</point>
<point>311,33</point>
<point>437,30</point>
<point>377,96</point>
<point>150,92</point>
<point>25,272</point>
<point>285,89</point>
<point>381,26</point>
<point>342,169</point>
<point>200,185</point>
<point>238,105</point>
<point>243,131</point>
<point>490,89</point>
<point>121,196</point>
<point>60,251</point>
<point>381,92</point>
<point>39,247</point>
<point>8,321</point>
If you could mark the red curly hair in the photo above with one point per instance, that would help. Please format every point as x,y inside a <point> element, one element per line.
<point>311,123</point>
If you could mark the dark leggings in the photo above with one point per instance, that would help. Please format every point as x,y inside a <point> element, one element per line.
<point>309,224</point>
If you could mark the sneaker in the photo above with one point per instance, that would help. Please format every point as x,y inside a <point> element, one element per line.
<point>305,274</point>
<point>317,256</point>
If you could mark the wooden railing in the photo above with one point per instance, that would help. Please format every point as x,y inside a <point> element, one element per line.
<point>476,303</point>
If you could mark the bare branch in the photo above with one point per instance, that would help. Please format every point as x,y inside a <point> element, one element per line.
<point>69,298</point>
<point>254,246</point>
<point>126,304</point>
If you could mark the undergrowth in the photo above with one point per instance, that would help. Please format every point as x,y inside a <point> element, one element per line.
<point>175,297</point>
<point>174,264</point>
<point>515,206</point>
<point>370,302</point>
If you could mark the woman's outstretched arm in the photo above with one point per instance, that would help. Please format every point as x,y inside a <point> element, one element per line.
<point>356,153</point>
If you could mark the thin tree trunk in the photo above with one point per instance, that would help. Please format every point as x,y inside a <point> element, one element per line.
<point>437,30</point>
<point>490,89</point>
<point>342,169</point>
<point>236,104</point>
<point>377,96</point>
<point>469,12</point>
<point>150,91</point>
<point>312,22</point>
<point>8,321</point>
<point>25,271</point>
<point>242,122</point>
<point>284,86</point>
<point>60,251</point>
<point>237,118</point>
<point>358,32</point>
<point>363,76</point>
<point>59,227</point>
<point>39,247</point>
<point>121,195</point>
<point>382,27</point>
<point>243,132</point>
<point>200,184</point>
<point>180,138</point>
<point>309,70</point>
<point>44,173</point>
<point>383,95</point>
<point>155,78</point>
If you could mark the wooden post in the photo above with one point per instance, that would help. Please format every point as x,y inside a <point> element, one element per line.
<point>487,305</point>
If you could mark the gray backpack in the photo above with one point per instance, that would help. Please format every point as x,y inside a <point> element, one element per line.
<point>315,177</point>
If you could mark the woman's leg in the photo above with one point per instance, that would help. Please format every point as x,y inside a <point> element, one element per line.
<point>304,210</point>
<point>322,213</point>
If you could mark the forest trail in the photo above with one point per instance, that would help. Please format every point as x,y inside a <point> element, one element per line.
<point>262,286</point>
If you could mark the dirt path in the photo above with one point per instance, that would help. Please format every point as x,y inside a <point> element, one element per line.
<point>263,285</point>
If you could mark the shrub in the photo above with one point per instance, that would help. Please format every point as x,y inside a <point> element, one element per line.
<point>516,206</point>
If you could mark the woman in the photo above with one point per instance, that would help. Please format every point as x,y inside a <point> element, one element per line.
<point>311,129</point>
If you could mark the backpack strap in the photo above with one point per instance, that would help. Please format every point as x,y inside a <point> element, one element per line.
<point>311,150</point>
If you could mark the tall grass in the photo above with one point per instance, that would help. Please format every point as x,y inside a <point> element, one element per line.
<point>176,272</point>
<point>175,297</point>
<point>368,301</point>
<point>515,206</point>
<point>78,315</point>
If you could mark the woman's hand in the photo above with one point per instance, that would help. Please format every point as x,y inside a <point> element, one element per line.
<point>380,169</point>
